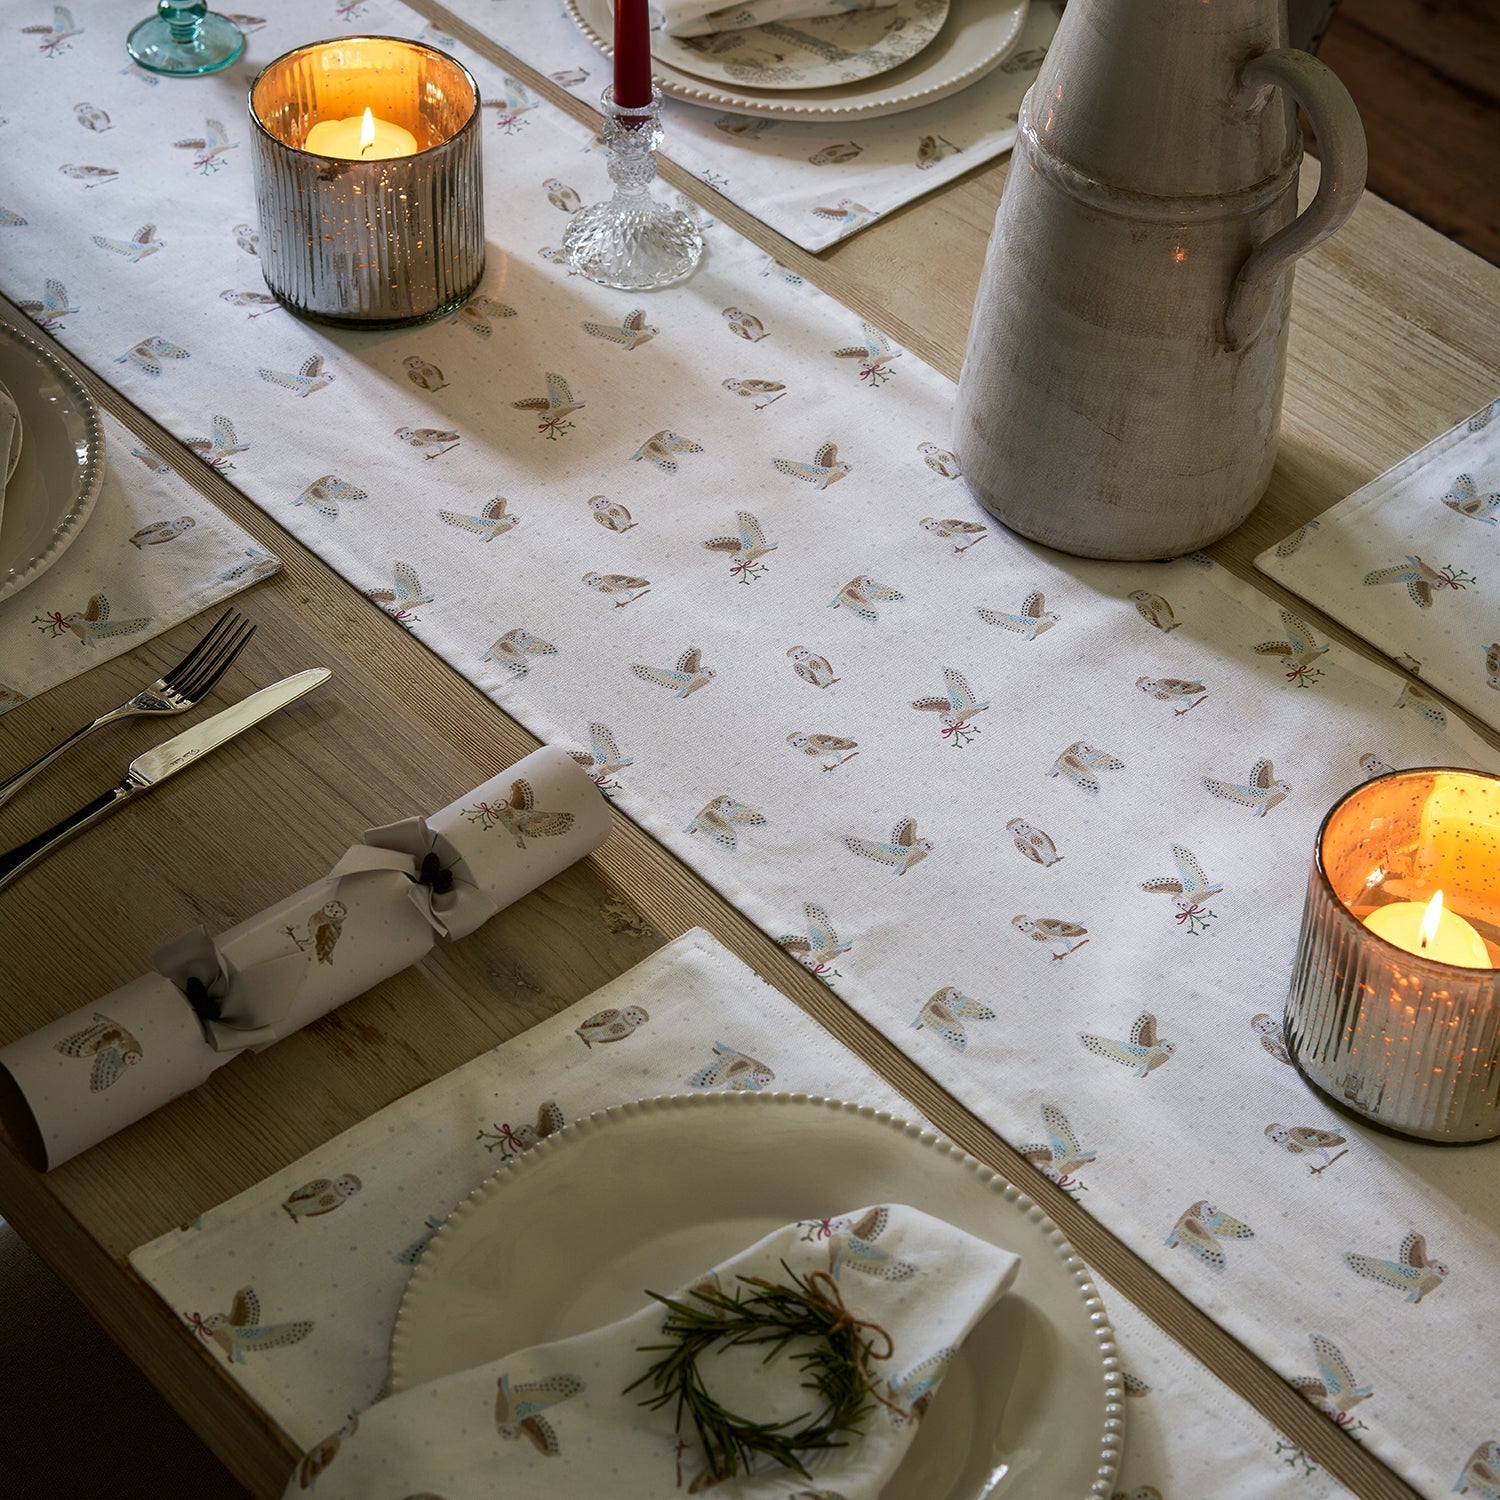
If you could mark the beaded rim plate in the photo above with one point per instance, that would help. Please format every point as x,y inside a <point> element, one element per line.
<point>975,39</point>
<point>816,52</point>
<point>566,1237</point>
<point>55,484</point>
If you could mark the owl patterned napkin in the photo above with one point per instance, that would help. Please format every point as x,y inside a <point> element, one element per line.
<point>704,17</point>
<point>557,1422</point>
<point>10,443</point>
<point>1408,563</point>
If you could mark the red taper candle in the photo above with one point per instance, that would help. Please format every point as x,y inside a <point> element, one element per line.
<point>632,54</point>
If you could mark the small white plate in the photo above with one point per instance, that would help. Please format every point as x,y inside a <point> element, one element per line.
<point>816,52</point>
<point>53,489</point>
<point>568,1236</point>
<point>972,42</point>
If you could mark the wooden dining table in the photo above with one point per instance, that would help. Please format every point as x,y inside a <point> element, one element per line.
<point>1395,335</point>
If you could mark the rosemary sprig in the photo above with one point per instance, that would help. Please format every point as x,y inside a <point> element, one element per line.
<point>769,1314</point>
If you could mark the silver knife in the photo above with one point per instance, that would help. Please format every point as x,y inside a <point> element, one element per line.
<point>164,760</point>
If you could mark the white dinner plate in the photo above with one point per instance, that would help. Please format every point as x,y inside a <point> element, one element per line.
<point>568,1236</point>
<point>815,52</point>
<point>56,481</point>
<point>973,41</point>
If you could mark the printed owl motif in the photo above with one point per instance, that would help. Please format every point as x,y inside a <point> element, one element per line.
<point>1034,619</point>
<point>940,460</point>
<point>216,451</point>
<point>852,1247</point>
<point>322,1453</point>
<point>720,818</point>
<point>210,146</point>
<point>745,549</point>
<point>1299,651</point>
<point>771,390</point>
<point>810,667</point>
<point>1189,886</point>
<point>161,531</point>
<point>1306,1140</point>
<point>91,118</point>
<point>1290,544</point>
<point>1481,1475</point>
<point>435,440</point>
<point>1412,1271</point>
<point>744,325</point>
<point>1262,794</point>
<point>321,1196</point>
<point>561,196</point>
<point>899,854</point>
<point>1492,664</point>
<point>240,1330</point>
<point>311,376</point>
<point>958,706</point>
<point>630,334</point>
<point>1183,691</point>
<point>1372,766</point>
<point>245,238</point>
<point>602,759</point>
<point>828,156</point>
<point>825,468</point>
<point>494,520</point>
<point>480,314</point>
<point>1033,843</point>
<point>521,817</point>
<point>1422,580</point>
<point>1154,610</point>
<point>423,374</point>
<point>141,244</point>
<point>406,594</point>
<point>661,447</point>
<point>684,679</point>
<point>822,746</point>
<point>54,306</point>
<point>912,1392</point>
<point>558,404</point>
<point>1333,1390</point>
<point>1080,762</point>
<point>264,301</point>
<point>861,594</point>
<point>515,649</point>
<point>610,514</point>
<point>955,528</point>
<point>1061,1155</point>
<point>874,354</point>
<point>846,213</point>
<point>734,1070</point>
<point>94,624</point>
<point>1062,936</point>
<point>89,176</point>
<point>821,945</point>
<point>947,1011</point>
<point>1422,702</point>
<point>110,1045</point>
<point>147,356</point>
<point>1200,1229</point>
<point>931,149</point>
<point>324,928</point>
<point>1465,499</point>
<point>327,492</point>
<point>610,584</point>
<point>1272,1037</point>
<point>610,1026</point>
<point>1142,1051</point>
<point>518,1409</point>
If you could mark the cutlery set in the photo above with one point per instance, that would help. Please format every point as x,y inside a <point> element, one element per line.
<point>174,692</point>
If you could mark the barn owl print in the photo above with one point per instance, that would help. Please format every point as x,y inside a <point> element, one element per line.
<point>1307,1140</point>
<point>940,460</point>
<point>721,820</point>
<point>323,930</point>
<point>1290,544</point>
<point>323,1452</point>
<point>556,408</point>
<point>744,325</point>
<point>58,37</point>
<point>763,393</point>
<point>561,196</point>
<point>911,1393</point>
<point>812,668</point>
<point>107,1046</point>
<point>1061,1156</point>
<point>745,549</point>
<point>1057,933</point>
<point>1081,764</point>
<point>630,334</point>
<point>822,944</point>
<point>402,599</point>
<point>825,468</point>
<point>240,1331</point>
<point>732,1070</point>
<point>1033,620</point>
<point>311,376</point>
<point>958,707</point>
<point>1423,703</point>
<point>1413,1272</point>
<point>947,1011</point>
<point>1033,843</point>
<point>628,587</point>
<point>1423,581</point>
<point>519,1408</point>
<point>321,1196</point>
<point>963,534</point>
<point>1298,652</point>
<point>1154,610</point>
<point>861,594</point>
<point>612,1025</point>
<point>1142,1051</point>
<point>142,243</point>
<point>494,520</point>
<point>1200,1229</point>
<point>1272,1037</point>
<point>852,1247</point>
<point>54,306</point>
<point>264,302</point>
<point>1464,499</point>
<point>90,625</point>
<point>662,448</point>
<point>515,650</point>
<point>899,853</point>
<point>602,759</point>
<point>520,816</point>
<point>218,450</point>
<point>610,514</point>
<point>158,533</point>
<point>208,148</point>
<point>327,493</point>
<point>90,176</point>
<point>1260,795</point>
<point>1333,1390</point>
<point>875,354</point>
<point>423,373</point>
<point>147,356</point>
<point>1184,693</point>
<point>1481,1475</point>
<point>684,679</point>
<point>1492,665</point>
<point>1189,889</point>
<point>511,1140</point>
<point>480,314</point>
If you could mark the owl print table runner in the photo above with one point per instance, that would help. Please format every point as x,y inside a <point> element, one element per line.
<point>1408,563</point>
<point>1043,822</point>
<point>153,553</point>
<point>316,1258</point>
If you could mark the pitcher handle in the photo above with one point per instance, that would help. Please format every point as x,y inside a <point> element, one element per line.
<point>1341,142</point>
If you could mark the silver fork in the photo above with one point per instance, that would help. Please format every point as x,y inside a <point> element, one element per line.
<point>174,692</point>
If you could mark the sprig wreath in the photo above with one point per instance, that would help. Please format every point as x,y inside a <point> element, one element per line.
<point>767,1313</point>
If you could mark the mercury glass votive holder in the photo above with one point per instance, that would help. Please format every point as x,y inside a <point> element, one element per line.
<point>369,243</point>
<point>1406,1040</point>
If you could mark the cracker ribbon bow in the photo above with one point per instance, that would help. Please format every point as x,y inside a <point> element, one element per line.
<point>239,1007</point>
<point>441,885</point>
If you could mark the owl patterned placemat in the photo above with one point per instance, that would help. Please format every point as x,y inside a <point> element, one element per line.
<point>294,1284</point>
<point>1043,822</point>
<point>815,184</point>
<point>1411,563</point>
<point>153,553</point>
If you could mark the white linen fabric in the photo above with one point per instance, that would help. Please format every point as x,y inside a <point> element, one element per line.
<point>153,554</point>
<point>722,548</point>
<point>558,1422</point>
<point>1407,562</point>
<point>815,184</point>
<point>343,1272</point>
<point>704,17</point>
<point>10,443</point>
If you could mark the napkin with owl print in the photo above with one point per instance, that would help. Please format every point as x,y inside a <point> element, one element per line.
<point>566,1421</point>
<point>1406,562</point>
<point>74,1082</point>
<point>704,17</point>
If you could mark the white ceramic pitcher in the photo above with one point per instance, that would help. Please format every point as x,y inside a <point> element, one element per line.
<point>1121,393</point>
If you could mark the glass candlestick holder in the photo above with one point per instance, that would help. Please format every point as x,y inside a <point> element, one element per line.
<point>632,242</point>
<point>187,38</point>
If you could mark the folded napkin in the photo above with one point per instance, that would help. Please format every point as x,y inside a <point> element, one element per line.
<point>556,1422</point>
<point>10,443</point>
<point>705,17</point>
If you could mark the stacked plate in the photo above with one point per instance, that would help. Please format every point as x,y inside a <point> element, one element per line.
<point>852,65</point>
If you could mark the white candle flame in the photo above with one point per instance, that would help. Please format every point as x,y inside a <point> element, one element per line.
<point>1430,921</point>
<point>367,132</point>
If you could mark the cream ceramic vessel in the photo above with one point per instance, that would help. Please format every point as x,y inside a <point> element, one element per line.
<point>1121,393</point>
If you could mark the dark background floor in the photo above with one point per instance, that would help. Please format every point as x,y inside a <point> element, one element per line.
<point>81,1423</point>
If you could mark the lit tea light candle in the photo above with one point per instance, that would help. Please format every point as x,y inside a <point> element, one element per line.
<point>1429,930</point>
<point>360,138</point>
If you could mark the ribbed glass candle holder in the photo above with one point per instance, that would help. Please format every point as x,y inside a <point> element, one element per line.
<point>1409,1042</point>
<point>374,243</point>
